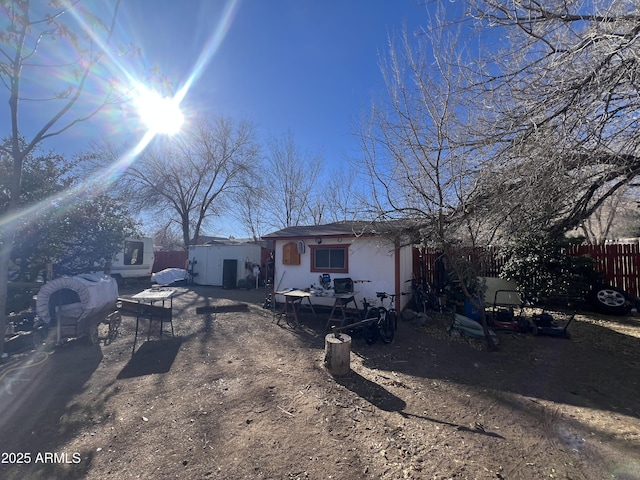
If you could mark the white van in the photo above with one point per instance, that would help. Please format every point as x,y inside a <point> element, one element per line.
<point>135,260</point>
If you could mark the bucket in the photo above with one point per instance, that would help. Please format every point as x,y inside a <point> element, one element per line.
<point>470,311</point>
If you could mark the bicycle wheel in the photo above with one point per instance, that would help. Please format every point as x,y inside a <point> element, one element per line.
<point>386,328</point>
<point>394,319</point>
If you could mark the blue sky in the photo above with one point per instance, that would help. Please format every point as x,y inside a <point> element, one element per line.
<point>305,66</point>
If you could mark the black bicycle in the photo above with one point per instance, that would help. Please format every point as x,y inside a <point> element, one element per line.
<point>372,322</point>
<point>387,317</point>
<point>362,324</point>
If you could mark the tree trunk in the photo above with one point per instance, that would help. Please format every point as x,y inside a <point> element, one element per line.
<point>475,301</point>
<point>337,354</point>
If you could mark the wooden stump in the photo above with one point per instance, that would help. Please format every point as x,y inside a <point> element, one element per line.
<point>337,354</point>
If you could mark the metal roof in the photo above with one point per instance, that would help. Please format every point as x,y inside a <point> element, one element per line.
<point>346,228</point>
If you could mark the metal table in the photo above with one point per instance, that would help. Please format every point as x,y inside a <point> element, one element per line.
<point>146,308</point>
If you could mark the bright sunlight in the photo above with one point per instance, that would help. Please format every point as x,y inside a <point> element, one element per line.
<point>161,115</point>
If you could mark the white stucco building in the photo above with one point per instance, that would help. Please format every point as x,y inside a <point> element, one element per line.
<point>368,253</point>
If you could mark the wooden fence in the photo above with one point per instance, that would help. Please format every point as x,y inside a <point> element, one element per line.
<point>427,263</point>
<point>618,263</point>
<point>171,259</point>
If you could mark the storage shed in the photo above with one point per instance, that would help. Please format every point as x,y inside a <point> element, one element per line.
<point>372,255</point>
<point>223,263</point>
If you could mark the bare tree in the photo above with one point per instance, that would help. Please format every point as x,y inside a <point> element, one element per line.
<point>415,146</point>
<point>291,185</point>
<point>167,238</point>
<point>187,179</point>
<point>561,108</point>
<point>342,198</point>
<point>30,35</point>
<point>249,208</point>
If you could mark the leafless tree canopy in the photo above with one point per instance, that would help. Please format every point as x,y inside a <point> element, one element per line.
<point>616,218</point>
<point>415,141</point>
<point>291,182</point>
<point>292,188</point>
<point>188,179</point>
<point>521,115</point>
<point>561,100</point>
<point>341,196</point>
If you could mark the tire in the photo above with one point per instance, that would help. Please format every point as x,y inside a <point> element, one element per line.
<point>609,300</point>
<point>387,328</point>
<point>534,329</point>
<point>393,316</point>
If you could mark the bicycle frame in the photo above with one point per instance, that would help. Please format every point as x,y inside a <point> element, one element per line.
<point>376,321</point>
<point>387,317</point>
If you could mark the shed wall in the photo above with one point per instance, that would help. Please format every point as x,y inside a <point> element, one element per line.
<point>370,260</point>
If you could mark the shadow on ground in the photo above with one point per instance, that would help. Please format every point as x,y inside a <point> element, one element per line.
<point>155,356</point>
<point>35,400</point>
<point>372,392</point>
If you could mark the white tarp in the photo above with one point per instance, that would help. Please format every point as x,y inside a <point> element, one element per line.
<point>96,292</point>
<point>168,276</point>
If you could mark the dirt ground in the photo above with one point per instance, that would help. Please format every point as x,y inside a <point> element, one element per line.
<point>234,395</point>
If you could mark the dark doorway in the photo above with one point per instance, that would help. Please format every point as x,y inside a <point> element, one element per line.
<point>229,273</point>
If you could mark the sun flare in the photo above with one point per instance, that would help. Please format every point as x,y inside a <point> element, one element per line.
<point>161,115</point>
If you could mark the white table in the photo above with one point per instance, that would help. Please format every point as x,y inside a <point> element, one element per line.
<point>146,308</point>
<point>152,295</point>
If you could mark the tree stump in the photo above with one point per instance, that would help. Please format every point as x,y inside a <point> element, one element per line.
<point>337,354</point>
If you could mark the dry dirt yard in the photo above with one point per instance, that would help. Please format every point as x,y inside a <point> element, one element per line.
<point>234,395</point>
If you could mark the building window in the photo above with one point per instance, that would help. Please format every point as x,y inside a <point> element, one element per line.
<point>330,258</point>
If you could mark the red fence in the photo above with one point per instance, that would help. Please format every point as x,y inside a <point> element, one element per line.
<point>618,263</point>
<point>427,263</point>
<point>173,259</point>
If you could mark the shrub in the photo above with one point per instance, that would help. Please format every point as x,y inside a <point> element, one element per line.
<point>541,268</point>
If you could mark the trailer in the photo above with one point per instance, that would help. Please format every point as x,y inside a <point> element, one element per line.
<point>228,265</point>
<point>135,260</point>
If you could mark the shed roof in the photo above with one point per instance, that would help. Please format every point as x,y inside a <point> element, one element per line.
<point>345,228</point>
<point>205,240</point>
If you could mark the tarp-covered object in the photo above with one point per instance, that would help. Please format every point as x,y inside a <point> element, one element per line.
<point>169,276</point>
<point>77,297</point>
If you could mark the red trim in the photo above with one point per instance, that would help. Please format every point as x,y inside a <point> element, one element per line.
<point>312,249</point>
<point>397,279</point>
